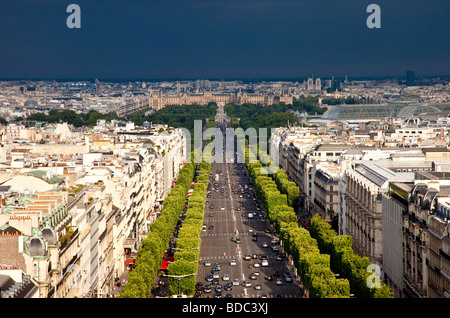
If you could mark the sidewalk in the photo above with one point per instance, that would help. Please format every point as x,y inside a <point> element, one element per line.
<point>117,289</point>
<point>160,287</point>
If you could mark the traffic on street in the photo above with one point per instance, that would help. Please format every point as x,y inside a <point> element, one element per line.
<point>240,256</point>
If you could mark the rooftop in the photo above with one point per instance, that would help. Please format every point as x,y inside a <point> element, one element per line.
<point>45,175</point>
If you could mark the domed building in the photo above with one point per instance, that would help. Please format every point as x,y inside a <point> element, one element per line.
<point>36,180</point>
<point>36,245</point>
<point>49,235</point>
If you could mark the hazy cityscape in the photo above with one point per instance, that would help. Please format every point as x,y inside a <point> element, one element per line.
<point>83,202</point>
<point>212,157</point>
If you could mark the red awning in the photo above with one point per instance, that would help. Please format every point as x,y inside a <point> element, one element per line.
<point>129,261</point>
<point>166,262</point>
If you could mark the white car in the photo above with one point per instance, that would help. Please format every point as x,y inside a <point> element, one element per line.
<point>232,262</point>
<point>265,244</point>
<point>256,265</point>
<point>235,282</point>
<point>225,277</point>
<point>247,284</point>
<point>207,262</point>
<point>264,263</point>
<point>222,208</point>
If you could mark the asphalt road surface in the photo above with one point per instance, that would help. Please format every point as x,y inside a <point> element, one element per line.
<point>232,198</point>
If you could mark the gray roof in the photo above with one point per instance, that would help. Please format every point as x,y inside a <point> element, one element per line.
<point>380,175</point>
<point>4,188</point>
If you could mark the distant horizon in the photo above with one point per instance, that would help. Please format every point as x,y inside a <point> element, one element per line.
<point>230,79</point>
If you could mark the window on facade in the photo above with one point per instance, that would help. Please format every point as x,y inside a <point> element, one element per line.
<point>36,271</point>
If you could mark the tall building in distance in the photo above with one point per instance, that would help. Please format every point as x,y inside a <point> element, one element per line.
<point>313,85</point>
<point>410,78</point>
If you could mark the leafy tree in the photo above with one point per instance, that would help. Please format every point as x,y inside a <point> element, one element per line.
<point>345,261</point>
<point>185,285</point>
<point>136,286</point>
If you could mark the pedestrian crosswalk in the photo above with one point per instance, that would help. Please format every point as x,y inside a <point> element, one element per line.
<point>226,234</point>
<point>235,257</point>
<point>207,220</point>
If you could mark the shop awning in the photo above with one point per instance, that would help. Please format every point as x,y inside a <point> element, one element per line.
<point>166,262</point>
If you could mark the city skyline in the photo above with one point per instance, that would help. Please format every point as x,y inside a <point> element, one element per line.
<point>96,181</point>
<point>230,79</point>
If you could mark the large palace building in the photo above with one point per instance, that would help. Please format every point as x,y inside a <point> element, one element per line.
<point>160,100</point>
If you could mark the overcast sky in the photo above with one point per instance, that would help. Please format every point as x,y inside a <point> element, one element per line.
<point>230,39</point>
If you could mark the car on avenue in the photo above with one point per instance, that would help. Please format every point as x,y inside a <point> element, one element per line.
<point>246,283</point>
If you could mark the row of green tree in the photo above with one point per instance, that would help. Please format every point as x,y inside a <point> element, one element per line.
<point>182,116</point>
<point>234,122</point>
<point>153,247</point>
<point>177,116</point>
<point>309,104</point>
<point>258,116</point>
<point>364,282</point>
<point>338,101</point>
<point>313,267</point>
<point>183,271</point>
<point>71,117</point>
<point>337,253</point>
<point>188,241</point>
<point>287,187</point>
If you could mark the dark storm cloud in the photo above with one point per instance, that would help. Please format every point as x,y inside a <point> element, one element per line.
<point>222,39</point>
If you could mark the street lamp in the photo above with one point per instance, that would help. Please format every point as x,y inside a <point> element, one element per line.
<point>179,278</point>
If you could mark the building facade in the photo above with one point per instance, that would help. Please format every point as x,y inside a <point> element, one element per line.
<point>158,99</point>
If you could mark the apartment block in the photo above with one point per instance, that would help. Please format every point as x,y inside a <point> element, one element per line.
<point>424,256</point>
<point>73,217</point>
